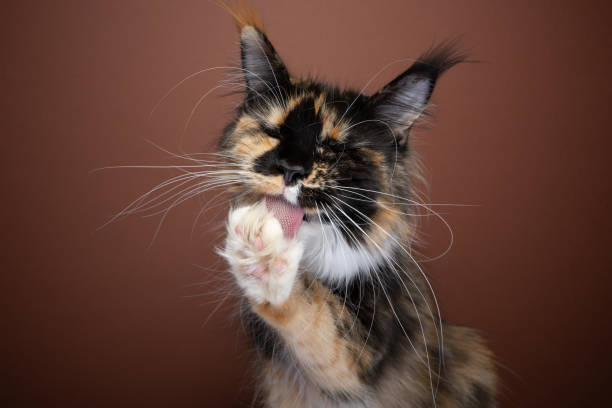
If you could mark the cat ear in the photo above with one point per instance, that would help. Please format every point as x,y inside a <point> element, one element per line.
<point>264,71</point>
<point>403,100</point>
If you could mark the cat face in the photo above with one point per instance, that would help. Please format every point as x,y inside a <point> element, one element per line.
<point>342,156</point>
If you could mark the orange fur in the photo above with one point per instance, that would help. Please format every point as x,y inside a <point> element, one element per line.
<point>244,15</point>
<point>318,102</point>
<point>308,328</point>
<point>326,352</point>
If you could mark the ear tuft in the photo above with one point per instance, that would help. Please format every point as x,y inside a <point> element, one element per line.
<point>244,15</point>
<point>403,100</point>
<point>439,59</point>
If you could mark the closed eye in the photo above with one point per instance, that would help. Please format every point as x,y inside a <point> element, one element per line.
<point>336,146</point>
<point>272,131</point>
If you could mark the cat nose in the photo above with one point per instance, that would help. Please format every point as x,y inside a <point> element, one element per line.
<point>290,172</point>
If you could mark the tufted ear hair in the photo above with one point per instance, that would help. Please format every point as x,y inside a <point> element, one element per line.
<point>264,71</point>
<point>403,100</point>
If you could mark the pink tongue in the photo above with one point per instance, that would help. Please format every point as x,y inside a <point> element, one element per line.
<point>290,216</point>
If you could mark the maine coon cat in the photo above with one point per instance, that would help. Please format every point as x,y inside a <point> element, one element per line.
<point>319,240</point>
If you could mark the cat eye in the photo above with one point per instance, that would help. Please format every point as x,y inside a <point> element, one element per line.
<point>333,144</point>
<point>272,132</point>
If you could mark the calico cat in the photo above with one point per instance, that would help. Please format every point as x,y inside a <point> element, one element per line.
<point>319,240</point>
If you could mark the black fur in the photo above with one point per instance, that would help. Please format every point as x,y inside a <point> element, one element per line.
<point>378,123</point>
<point>371,158</point>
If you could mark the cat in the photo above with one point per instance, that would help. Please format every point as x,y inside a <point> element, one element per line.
<point>319,237</point>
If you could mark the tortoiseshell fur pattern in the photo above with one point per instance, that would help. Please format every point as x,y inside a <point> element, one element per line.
<point>341,315</point>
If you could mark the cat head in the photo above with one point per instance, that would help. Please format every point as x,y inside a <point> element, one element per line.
<point>341,155</point>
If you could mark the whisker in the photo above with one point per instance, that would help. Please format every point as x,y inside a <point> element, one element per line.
<point>440,338</point>
<point>207,206</point>
<point>184,197</point>
<point>197,189</point>
<point>424,206</point>
<point>379,281</point>
<point>370,81</point>
<point>407,199</point>
<point>188,77</point>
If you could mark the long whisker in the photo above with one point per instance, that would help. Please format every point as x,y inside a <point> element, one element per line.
<point>187,195</point>
<point>196,106</point>
<point>224,84</point>
<point>372,79</point>
<point>139,205</point>
<point>181,82</point>
<point>207,206</point>
<point>421,205</point>
<point>136,202</point>
<point>382,252</point>
<point>199,188</point>
<point>188,77</point>
<point>407,199</point>
<point>177,167</point>
<point>379,281</point>
<point>178,156</point>
<point>353,239</point>
<point>370,200</point>
<point>410,296</point>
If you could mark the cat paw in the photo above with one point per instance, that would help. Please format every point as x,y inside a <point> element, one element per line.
<point>263,261</point>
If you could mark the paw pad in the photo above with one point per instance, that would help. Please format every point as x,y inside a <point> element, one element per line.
<point>257,271</point>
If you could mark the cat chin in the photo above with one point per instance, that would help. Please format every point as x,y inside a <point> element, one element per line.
<point>330,257</point>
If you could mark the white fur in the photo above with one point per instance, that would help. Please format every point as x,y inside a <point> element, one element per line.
<point>318,248</point>
<point>291,193</point>
<point>329,256</point>
<point>255,241</point>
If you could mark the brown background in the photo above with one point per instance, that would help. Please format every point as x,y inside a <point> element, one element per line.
<point>94,318</point>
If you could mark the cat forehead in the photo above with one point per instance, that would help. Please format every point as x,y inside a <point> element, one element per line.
<point>309,112</point>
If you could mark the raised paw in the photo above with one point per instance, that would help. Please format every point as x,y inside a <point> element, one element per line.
<point>261,258</point>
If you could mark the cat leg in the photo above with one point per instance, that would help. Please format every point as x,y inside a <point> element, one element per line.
<point>324,338</point>
<point>321,334</point>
